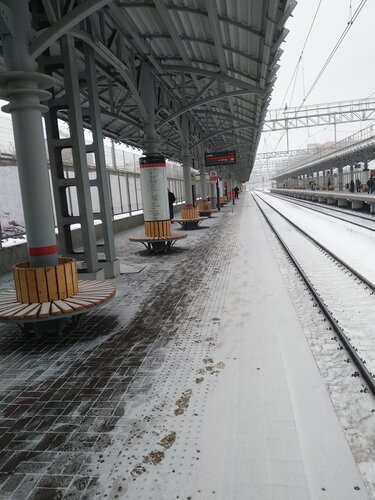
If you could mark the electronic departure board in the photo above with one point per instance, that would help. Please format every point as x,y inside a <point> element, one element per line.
<point>220,158</point>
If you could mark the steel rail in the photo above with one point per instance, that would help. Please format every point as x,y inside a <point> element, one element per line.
<point>367,376</point>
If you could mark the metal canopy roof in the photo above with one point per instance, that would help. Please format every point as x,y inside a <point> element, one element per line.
<point>213,59</point>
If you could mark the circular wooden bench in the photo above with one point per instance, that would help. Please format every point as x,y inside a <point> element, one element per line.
<point>190,223</point>
<point>90,294</point>
<point>161,244</point>
<point>206,213</point>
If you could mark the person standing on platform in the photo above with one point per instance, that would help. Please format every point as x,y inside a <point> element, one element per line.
<point>358,185</point>
<point>369,185</point>
<point>171,200</point>
<point>232,195</point>
<point>236,191</point>
<point>352,186</point>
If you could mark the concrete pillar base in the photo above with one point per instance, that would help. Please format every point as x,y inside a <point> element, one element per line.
<point>111,269</point>
<point>98,275</point>
<point>357,205</point>
<point>372,208</point>
<point>342,203</point>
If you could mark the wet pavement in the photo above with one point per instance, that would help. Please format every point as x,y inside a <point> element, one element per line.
<point>69,406</point>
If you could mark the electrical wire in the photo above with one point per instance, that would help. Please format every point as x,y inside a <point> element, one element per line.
<point>295,71</point>
<point>329,58</point>
<point>334,50</point>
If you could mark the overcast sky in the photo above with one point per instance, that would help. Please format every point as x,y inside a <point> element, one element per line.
<point>350,74</point>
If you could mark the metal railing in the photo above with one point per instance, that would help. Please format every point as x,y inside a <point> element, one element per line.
<point>360,140</point>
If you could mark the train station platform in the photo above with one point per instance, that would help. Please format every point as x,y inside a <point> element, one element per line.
<point>345,198</point>
<point>195,382</point>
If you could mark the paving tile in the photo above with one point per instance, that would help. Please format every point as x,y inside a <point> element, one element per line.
<point>91,409</point>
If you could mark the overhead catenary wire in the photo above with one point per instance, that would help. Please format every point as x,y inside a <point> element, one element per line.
<point>328,60</point>
<point>295,71</point>
<point>334,50</point>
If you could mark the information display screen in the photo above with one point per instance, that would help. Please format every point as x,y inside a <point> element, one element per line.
<point>220,158</point>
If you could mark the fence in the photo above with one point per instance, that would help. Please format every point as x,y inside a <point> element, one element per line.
<point>125,191</point>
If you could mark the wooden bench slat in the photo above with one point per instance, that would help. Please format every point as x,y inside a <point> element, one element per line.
<point>35,313</point>
<point>25,310</point>
<point>13,310</point>
<point>41,281</point>
<point>92,297</point>
<point>29,312</point>
<point>95,291</point>
<point>55,311</point>
<point>61,283</point>
<point>23,285</point>
<point>31,285</point>
<point>44,310</point>
<point>51,283</point>
<point>74,305</point>
<point>65,308</point>
<point>83,302</point>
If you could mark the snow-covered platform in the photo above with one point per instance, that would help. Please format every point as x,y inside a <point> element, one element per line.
<point>195,382</point>
<point>356,200</point>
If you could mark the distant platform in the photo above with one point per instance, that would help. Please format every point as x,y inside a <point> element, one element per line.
<point>341,197</point>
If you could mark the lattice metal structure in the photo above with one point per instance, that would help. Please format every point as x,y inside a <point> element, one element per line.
<point>332,113</point>
<point>212,63</point>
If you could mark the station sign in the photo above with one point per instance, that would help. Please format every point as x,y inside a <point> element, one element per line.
<point>213,176</point>
<point>220,158</point>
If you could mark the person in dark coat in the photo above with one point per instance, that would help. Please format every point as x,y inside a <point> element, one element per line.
<point>358,185</point>
<point>236,191</point>
<point>352,186</point>
<point>171,200</point>
<point>369,185</point>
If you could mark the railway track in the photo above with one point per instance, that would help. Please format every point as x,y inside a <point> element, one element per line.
<point>345,297</point>
<point>351,218</point>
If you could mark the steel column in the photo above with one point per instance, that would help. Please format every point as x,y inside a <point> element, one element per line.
<point>340,178</point>
<point>154,187</point>
<point>186,162</point>
<point>202,169</point>
<point>111,264</point>
<point>23,87</point>
<point>70,104</point>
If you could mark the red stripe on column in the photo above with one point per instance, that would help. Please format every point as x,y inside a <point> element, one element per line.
<point>38,251</point>
<point>149,165</point>
<point>189,205</point>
